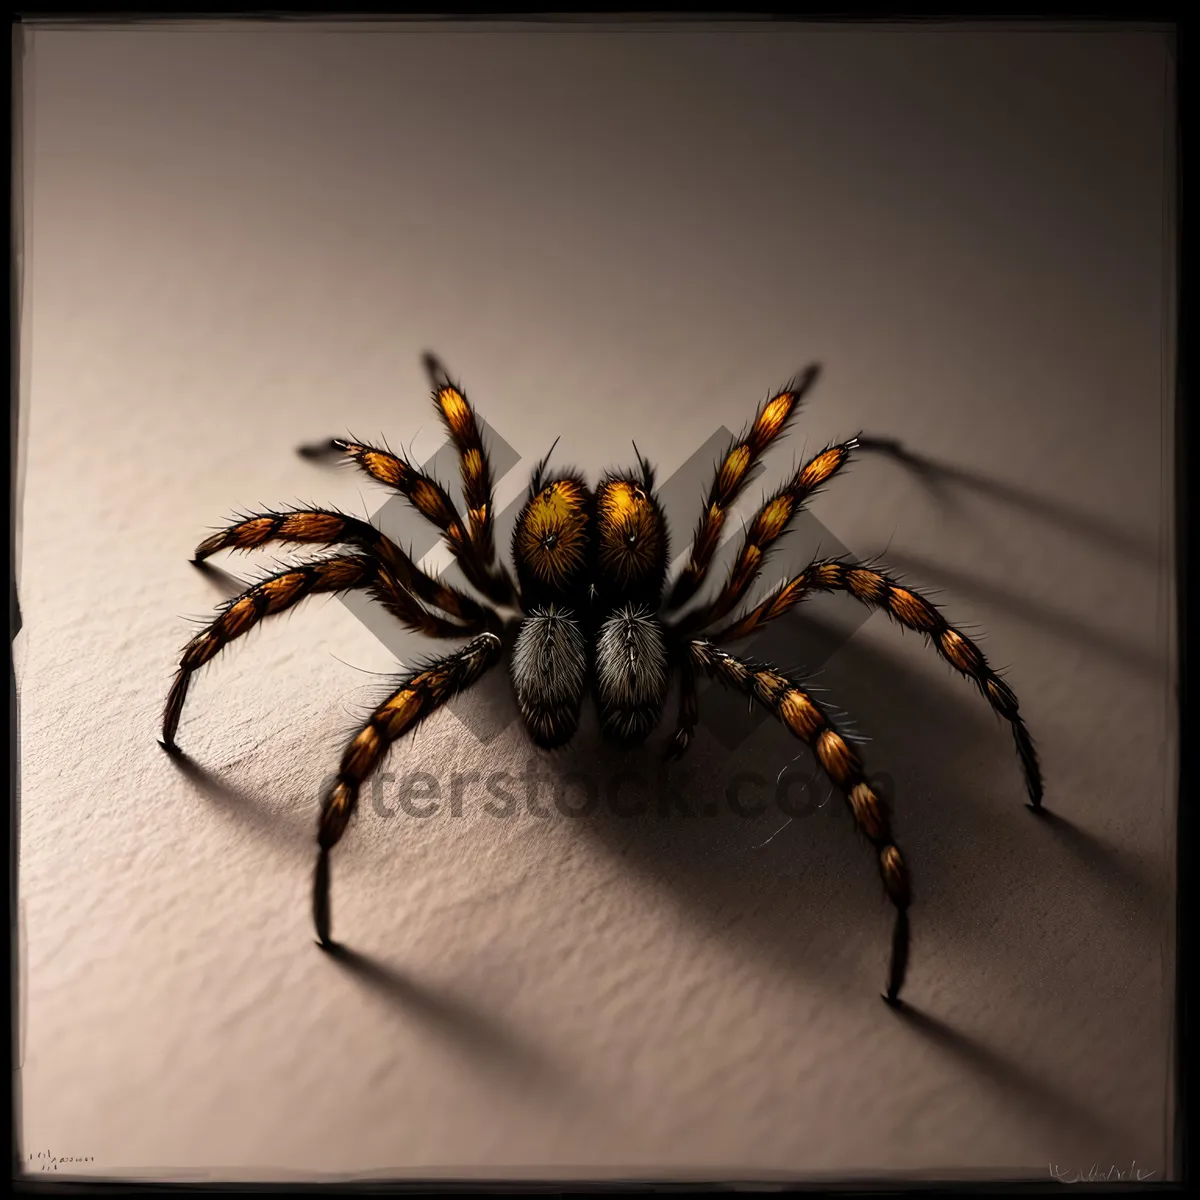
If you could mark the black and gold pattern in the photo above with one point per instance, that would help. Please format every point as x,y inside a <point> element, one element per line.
<point>772,419</point>
<point>808,721</point>
<point>420,694</point>
<point>592,607</point>
<point>913,611</point>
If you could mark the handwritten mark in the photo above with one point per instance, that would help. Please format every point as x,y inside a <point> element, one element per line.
<point>1097,1174</point>
<point>51,1162</point>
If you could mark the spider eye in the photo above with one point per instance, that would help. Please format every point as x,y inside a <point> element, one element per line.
<point>550,541</point>
<point>631,539</point>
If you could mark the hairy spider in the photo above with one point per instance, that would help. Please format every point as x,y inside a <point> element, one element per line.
<point>591,609</point>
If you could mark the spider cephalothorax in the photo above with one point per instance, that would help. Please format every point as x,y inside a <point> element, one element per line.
<point>591,611</point>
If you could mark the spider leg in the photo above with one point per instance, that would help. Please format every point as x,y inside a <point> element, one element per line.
<point>430,499</point>
<point>912,611</point>
<point>421,693</point>
<point>688,711</point>
<point>805,718</point>
<point>769,423</point>
<point>323,527</point>
<point>770,523</point>
<point>475,466</point>
<point>279,592</point>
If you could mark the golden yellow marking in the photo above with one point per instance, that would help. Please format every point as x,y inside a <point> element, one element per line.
<point>620,499</point>
<point>820,469</point>
<point>199,650</point>
<point>312,526</point>
<point>625,508</point>
<point>339,572</point>
<point>911,610</point>
<point>733,468</point>
<point>250,533</point>
<point>709,536</point>
<point>868,811</point>
<point>748,561</point>
<point>769,685</point>
<point>428,500</point>
<point>472,465</point>
<point>282,589</point>
<point>457,411</point>
<point>361,753</point>
<point>828,574</point>
<point>800,714</point>
<point>401,710</point>
<point>770,522</point>
<point>895,876</point>
<point>959,651</point>
<point>791,594</point>
<point>836,756</point>
<point>773,415</point>
<point>238,617</point>
<point>866,585</point>
<point>557,514</point>
<point>385,467</point>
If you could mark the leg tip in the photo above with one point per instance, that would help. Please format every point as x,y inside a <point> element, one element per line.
<point>434,369</point>
<point>321,908</point>
<point>171,747</point>
<point>893,1001</point>
<point>1035,807</point>
<point>319,450</point>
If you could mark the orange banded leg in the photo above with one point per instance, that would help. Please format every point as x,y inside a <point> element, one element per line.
<point>322,527</point>
<point>912,611</point>
<point>240,614</point>
<point>420,695</point>
<point>805,718</point>
<point>769,424</point>
<point>433,502</point>
<point>475,467</point>
<point>281,591</point>
<point>769,525</point>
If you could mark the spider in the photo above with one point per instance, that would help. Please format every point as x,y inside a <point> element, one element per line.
<point>590,610</point>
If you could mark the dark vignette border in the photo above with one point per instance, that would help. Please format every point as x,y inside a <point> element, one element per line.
<point>1188,753</point>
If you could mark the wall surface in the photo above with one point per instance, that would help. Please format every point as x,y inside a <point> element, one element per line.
<point>241,239</point>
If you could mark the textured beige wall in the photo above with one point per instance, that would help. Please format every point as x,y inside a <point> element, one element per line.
<point>238,240</point>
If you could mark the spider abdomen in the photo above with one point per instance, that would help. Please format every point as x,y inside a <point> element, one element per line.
<point>631,672</point>
<point>549,674</point>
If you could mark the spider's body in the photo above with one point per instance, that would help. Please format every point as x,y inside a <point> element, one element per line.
<point>592,613</point>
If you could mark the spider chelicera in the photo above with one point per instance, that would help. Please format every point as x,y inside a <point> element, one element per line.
<point>591,611</point>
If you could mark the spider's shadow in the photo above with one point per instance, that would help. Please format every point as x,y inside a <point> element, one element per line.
<point>449,1016</point>
<point>929,737</point>
<point>240,804</point>
<point>938,477</point>
<point>806,893</point>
